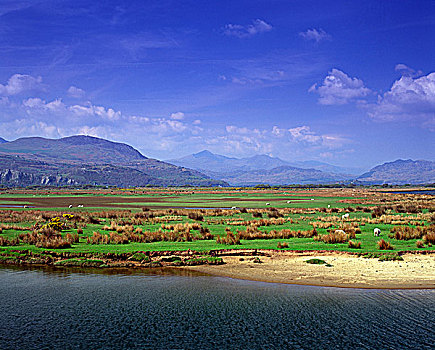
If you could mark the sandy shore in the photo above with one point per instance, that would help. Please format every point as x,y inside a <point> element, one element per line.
<point>415,271</point>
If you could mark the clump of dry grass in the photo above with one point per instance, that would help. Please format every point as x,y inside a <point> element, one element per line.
<point>429,238</point>
<point>230,238</point>
<point>282,245</point>
<point>419,244</point>
<point>384,245</point>
<point>408,232</point>
<point>9,242</point>
<point>334,237</point>
<point>354,245</point>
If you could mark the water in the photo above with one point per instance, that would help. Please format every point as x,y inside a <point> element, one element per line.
<point>60,309</point>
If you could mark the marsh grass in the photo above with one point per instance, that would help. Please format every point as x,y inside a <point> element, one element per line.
<point>384,245</point>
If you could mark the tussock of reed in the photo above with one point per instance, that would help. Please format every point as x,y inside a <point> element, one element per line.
<point>253,232</point>
<point>354,245</point>
<point>406,232</point>
<point>384,245</point>
<point>429,238</point>
<point>334,237</point>
<point>229,239</point>
<point>282,245</point>
<point>72,238</point>
<point>9,242</point>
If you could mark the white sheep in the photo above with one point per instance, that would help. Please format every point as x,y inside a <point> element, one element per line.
<point>289,201</point>
<point>339,231</point>
<point>233,207</point>
<point>345,216</point>
<point>70,206</point>
<point>329,206</point>
<point>267,203</point>
<point>377,232</point>
<point>80,206</point>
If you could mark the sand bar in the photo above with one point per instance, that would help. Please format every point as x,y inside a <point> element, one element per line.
<point>416,271</point>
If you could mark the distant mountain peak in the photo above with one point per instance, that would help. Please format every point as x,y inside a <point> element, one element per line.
<point>2,140</point>
<point>204,153</point>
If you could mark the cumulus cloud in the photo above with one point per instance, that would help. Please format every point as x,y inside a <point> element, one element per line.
<point>20,83</point>
<point>177,116</point>
<point>315,35</point>
<point>75,92</point>
<point>247,31</point>
<point>304,134</point>
<point>408,99</point>
<point>407,71</point>
<point>338,88</point>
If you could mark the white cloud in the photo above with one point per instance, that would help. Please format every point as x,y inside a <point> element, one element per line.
<point>315,35</point>
<point>75,92</point>
<point>407,71</point>
<point>20,83</point>
<point>408,99</point>
<point>304,134</point>
<point>177,116</point>
<point>246,31</point>
<point>338,88</point>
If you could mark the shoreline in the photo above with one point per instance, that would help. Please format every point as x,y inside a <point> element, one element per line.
<point>416,271</point>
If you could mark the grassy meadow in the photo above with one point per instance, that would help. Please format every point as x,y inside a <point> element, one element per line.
<point>118,221</point>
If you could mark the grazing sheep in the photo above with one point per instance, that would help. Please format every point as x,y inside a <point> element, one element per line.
<point>329,206</point>
<point>339,231</point>
<point>267,203</point>
<point>233,207</point>
<point>376,232</point>
<point>70,206</point>
<point>345,216</point>
<point>289,201</point>
<point>80,206</point>
<point>312,199</point>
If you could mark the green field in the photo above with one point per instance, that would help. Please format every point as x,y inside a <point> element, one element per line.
<point>146,220</point>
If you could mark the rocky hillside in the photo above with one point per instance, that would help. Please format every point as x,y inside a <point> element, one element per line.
<point>401,172</point>
<point>84,160</point>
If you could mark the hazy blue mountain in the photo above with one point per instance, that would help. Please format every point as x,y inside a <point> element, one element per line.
<point>282,175</point>
<point>2,140</point>
<point>400,172</point>
<point>209,163</point>
<point>88,160</point>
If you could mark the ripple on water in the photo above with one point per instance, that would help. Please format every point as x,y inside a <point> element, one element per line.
<point>47,308</point>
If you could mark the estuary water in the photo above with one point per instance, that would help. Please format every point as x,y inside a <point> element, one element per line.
<point>168,309</point>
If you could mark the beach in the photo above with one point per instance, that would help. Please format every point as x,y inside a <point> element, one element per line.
<point>416,271</point>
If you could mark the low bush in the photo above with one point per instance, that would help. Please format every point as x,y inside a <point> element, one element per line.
<point>317,262</point>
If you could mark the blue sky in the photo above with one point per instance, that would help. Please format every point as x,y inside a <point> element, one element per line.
<point>350,83</point>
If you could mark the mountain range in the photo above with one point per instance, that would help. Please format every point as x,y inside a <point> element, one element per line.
<point>78,160</point>
<point>208,161</point>
<point>275,171</point>
<point>400,172</point>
